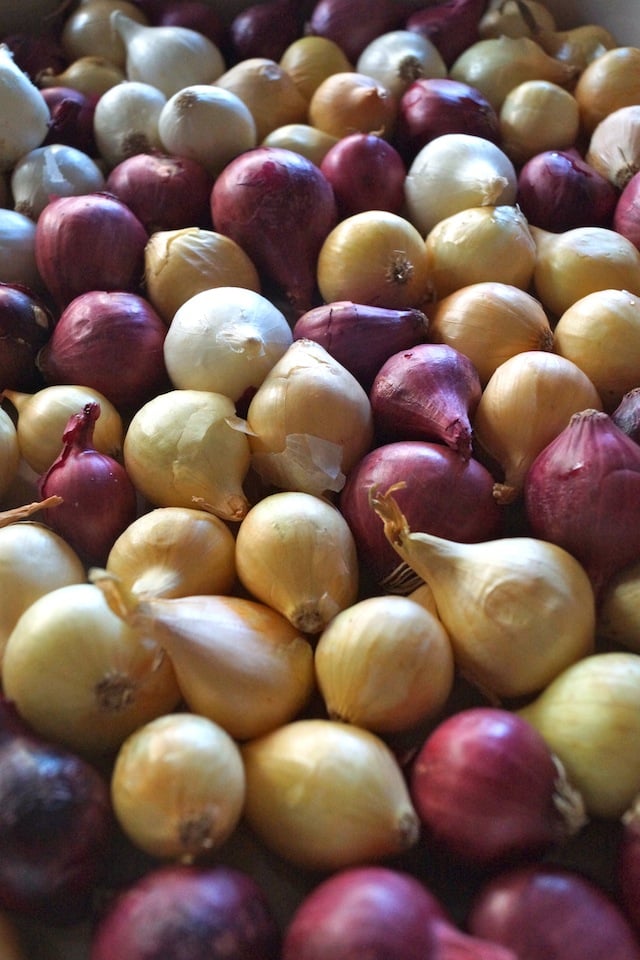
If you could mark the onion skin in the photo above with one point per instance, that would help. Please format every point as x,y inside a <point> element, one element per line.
<point>26,323</point>
<point>591,471</point>
<point>460,503</point>
<point>451,25</point>
<point>626,416</point>
<point>205,913</point>
<point>353,25</point>
<point>548,912</point>
<point>366,173</point>
<point>626,216</point>
<point>265,29</point>
<point>71,118</point>
<point>279,208</point>
<point>360,336</point>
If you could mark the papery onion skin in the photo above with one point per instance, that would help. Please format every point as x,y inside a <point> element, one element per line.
<point>626,216</point>
<point>221,912</point>
<point>558,190</point>
<point>543,911</point>
<point>26,323</point>
<point>627,414</point>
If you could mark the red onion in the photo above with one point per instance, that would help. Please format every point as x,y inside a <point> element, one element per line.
<point>164,192</point>
<point>98,498</point>
<point>627,866</point>
<point>71,120</point>
<point>353,24</point>
<point>189,913</point>
<point>488,790</point>
<point>360,336</point>
<point>89,242</point>
<point>444,495</point>
<point>379,913</point>
<point>558,190</point>
<point>433,106</point>
<point>451,25</point>
<point>26,324</point>
<point>111,341</point>
<point>37,53</point>
<point>626,416</point>
<point>55,824</point>
<point>582,492</point>
<point>548,912</point>
<point>279,207</point>
<point>366,173</point>
<point>626,216</point>
<point>198,15</point>
<point>429,392</point>
<point>265,29</point>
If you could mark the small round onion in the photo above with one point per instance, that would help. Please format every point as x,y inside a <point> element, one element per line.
<point>399,57</point>
<point>366,173</point>
<point>126,119</point>
<point>55,170</point>
<point>351,102</point>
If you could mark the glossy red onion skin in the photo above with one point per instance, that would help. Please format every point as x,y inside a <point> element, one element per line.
<point>71,118</point>
<point>626,216</point>
<point>164,192</point>
<point>279,207</point>
<point>265,29</point>
<point>626,416</point>
<point>483,785</point>
<point>429,392</point>
<point>89,242</point>
<point>548,912</point>
<point>451,25</point>
<point>189,913</point>
<point>55,825</point>
<point>444,495</point>
<point>353,24</point>
<point>433,106</point>
<point>582,492</point>
<point>112,341</point>
<point>26,323</point>
<point>98,499</point>
<point>366,173</point>
<point>362,337</point>
<point>558,191</point>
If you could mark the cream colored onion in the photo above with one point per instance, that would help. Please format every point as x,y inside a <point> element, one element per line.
<point>304,139</point>
<point>267,91</point>
<point>55,170</point>
<point>9,451</point>
<point>178,787</point>
<point>325,795</point>
<point>91,75</point>
<point>296,553</point>
<point>87,30</point>
<point>535,116</point>
<point>180,263</point>
<point>609,82</point>
<point>310,59</point>
<point>225,340</point>
<point>385,664</point>
<point>309,422</point>
<point>25,114</point>
<point>619,609</point>
<point>125,121</point>
<point>399,57</point>
<point>614,146</point>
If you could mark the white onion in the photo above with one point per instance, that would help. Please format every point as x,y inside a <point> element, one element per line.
<point>125,121</point>
<point>24,112</point>
<point>17,250</point>
<point>397,58</point>
<point>55,170</point>
<point>456,171</point>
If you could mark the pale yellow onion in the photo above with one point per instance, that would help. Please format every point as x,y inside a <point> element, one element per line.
<point>572,264</point>
<point>309,422</point>
<point>225,339</point>
<point>614,146</point>
<point>526,403</point>
<point>91,75</point>
<point>385,664</point>
<point>609,82</point>
<point>590,717</point>
<point>600,333</point>
<point>423,594</point>
<point>311,59</point>
<point>87,30</point>
<point>487,243</point>
<point>43,416</point>
<point>181,449</point>
<point>296,553</point>
<point>517,610</point>
<point>535,116</point>
<point>578,46</point>
<point>207,123</point>
<point>267,91</point>
<point>33,561</point>
<point>80,676</point>
<point>178,787</point>
<point>619,609</point>
<point>326,795</point>
<point>495,65</point>
<point>303,139</point>
<point>506,18</point>
<point>375,257</point>
<point>125,121</point>
<point>174,552</point>
<point>397,58</point>
<point>453,172</point>
<point>9,451</point>
<point>182,262</point>
<point>490,322</point>
<point>352,102</point>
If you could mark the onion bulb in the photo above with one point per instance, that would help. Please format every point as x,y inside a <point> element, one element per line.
<point>268,93</point>
<point>398,57</point>
<point>54,170</point>
<point>609,82</point>
<point>537,115</point>
<point>614,147</point>
<point>125,121</point>
<point>311,59</point>
<point>619,610</point>
<point>25,112</point>
<point>353,102</point>
<point>10,450</point>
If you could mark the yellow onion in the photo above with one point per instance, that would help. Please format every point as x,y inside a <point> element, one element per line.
<point>506,18</point>
<point>178,787</point>
<point>478,244</point>
<point>311,59</point>
<point>181,449</point>
<point>526,403</point>
<point>490,322</point>
<point>91,75</point>
<point>619,609</point>
<point>79,675</point>
<point>268,91</point>
<point>517,610</point>
<point>578,46</point>
<point>538,115</point>
<point>87,31</point>
<point>310,142</point>
<point>609,82</point>
<point>352,102</point>
<point>590,717</point>
<point>9,451</point>
<point>309,422</point>
<point>600,333</point>
<point>385,664</point>
<point>174,552</point>
<point>614,146</point>
<point>325,795</point>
